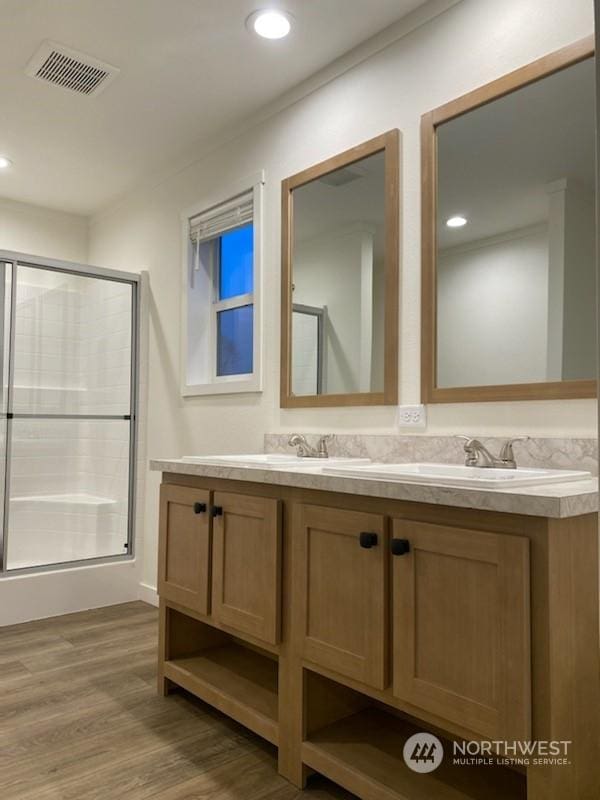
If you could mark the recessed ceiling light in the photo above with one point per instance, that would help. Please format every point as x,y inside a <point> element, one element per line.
<point>456,222</point>
<point>5,162</point>
<point>270,23</point>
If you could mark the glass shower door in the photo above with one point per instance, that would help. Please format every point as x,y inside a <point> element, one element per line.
<point>70,427</point>
<point>6,272</point>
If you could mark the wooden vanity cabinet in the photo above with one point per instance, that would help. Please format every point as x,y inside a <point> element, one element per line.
<point>335,626</point>
<point>184,551</point>
<point>341,562</point>
<point>461,626</point>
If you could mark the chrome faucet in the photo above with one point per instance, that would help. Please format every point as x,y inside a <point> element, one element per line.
<point>477,454</point>
<point>305,450</point>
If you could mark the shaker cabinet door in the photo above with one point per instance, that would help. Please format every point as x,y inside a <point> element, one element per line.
<point>184,547</point>
<point>340,564</point>
<point>246,592</point>
<point>461,626</point>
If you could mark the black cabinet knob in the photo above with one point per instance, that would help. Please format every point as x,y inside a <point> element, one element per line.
<point>217,511</point>
<point>400,547</point>
<point>199,508</point>
<point>367,539</point>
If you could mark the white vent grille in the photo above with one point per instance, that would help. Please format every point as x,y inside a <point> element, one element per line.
<point>342,176</point>
<point>70,69</point>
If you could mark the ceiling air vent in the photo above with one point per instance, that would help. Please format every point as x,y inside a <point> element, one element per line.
<point>342,176</point>
<point>70,69</point>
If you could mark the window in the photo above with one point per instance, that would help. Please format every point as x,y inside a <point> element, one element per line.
<point>221,304</point>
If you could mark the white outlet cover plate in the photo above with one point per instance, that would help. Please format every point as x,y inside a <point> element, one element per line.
<point>414,417</point>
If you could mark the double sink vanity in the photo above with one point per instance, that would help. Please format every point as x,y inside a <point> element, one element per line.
<point>440,474</point>
<point>335,606</point>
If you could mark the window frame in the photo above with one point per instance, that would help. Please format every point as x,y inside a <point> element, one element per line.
<point>224,384</point>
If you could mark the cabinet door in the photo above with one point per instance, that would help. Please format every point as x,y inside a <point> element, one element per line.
<point>461,626</point>
<point>184,547</point>
<point>341,563</point>
<point>247,564</point>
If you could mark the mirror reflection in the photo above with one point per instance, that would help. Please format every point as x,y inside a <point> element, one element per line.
<point>516,236</point>
<point>338,280</point>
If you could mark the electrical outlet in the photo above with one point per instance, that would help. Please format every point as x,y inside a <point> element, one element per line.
<point>414,417</point>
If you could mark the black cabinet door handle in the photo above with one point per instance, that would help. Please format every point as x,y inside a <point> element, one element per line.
<point>199,508</point>
<point>400,547</point>
<point>367,539</point>
<point>217,511</point>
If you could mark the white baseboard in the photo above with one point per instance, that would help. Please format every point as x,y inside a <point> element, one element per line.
<point>148,594</point>
<point>56,592</point>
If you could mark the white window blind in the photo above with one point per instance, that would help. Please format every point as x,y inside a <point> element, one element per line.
<point>224,217</point>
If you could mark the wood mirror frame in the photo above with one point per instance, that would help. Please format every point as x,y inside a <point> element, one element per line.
<point>389,144</point>
<point>430,391</point>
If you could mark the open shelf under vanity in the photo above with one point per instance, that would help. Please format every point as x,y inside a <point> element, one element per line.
<point>238,681</point>
<point>358,743</point>
<point>234,676</point>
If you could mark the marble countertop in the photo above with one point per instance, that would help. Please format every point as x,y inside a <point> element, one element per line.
<point>556,500</point>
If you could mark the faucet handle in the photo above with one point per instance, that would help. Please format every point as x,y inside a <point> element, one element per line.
<point>469,441</point>
<point>322,445</point>
<point>471,457</point>
<point>506,452</point>
<point>298,440</point>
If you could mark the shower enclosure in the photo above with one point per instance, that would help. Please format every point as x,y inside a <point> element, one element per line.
<point>68,365</point>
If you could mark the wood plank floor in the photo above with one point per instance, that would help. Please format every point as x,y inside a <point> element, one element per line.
<point>80,718</point>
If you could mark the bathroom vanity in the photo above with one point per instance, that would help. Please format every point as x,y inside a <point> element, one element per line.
<point>335,616</point>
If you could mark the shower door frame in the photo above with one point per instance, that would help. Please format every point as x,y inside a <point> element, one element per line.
<point>15,259</point>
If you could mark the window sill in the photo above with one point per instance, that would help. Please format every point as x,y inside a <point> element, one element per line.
<point>240,386</point>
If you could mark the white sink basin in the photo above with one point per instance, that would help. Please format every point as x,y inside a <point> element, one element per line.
<point>272,461</point>
<point>457,475</point>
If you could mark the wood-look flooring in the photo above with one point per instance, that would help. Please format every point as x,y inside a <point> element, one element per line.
<point>80,718</point>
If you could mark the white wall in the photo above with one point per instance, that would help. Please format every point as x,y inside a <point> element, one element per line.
<point>472,43</point>
<point>43,231</point>
<point>493,310</point>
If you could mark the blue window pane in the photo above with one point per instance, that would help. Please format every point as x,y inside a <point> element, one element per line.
<point>234,341</point>
<point>236,260</point>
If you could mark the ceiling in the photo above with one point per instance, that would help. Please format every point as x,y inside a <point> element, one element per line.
<point>189,70</point>
<point>495,162</point>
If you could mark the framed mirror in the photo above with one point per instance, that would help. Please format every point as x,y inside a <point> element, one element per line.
<point>509,236</point>
<point>339,310</point>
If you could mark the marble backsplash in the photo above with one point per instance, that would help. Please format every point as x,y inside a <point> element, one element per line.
<point>547,452</point>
